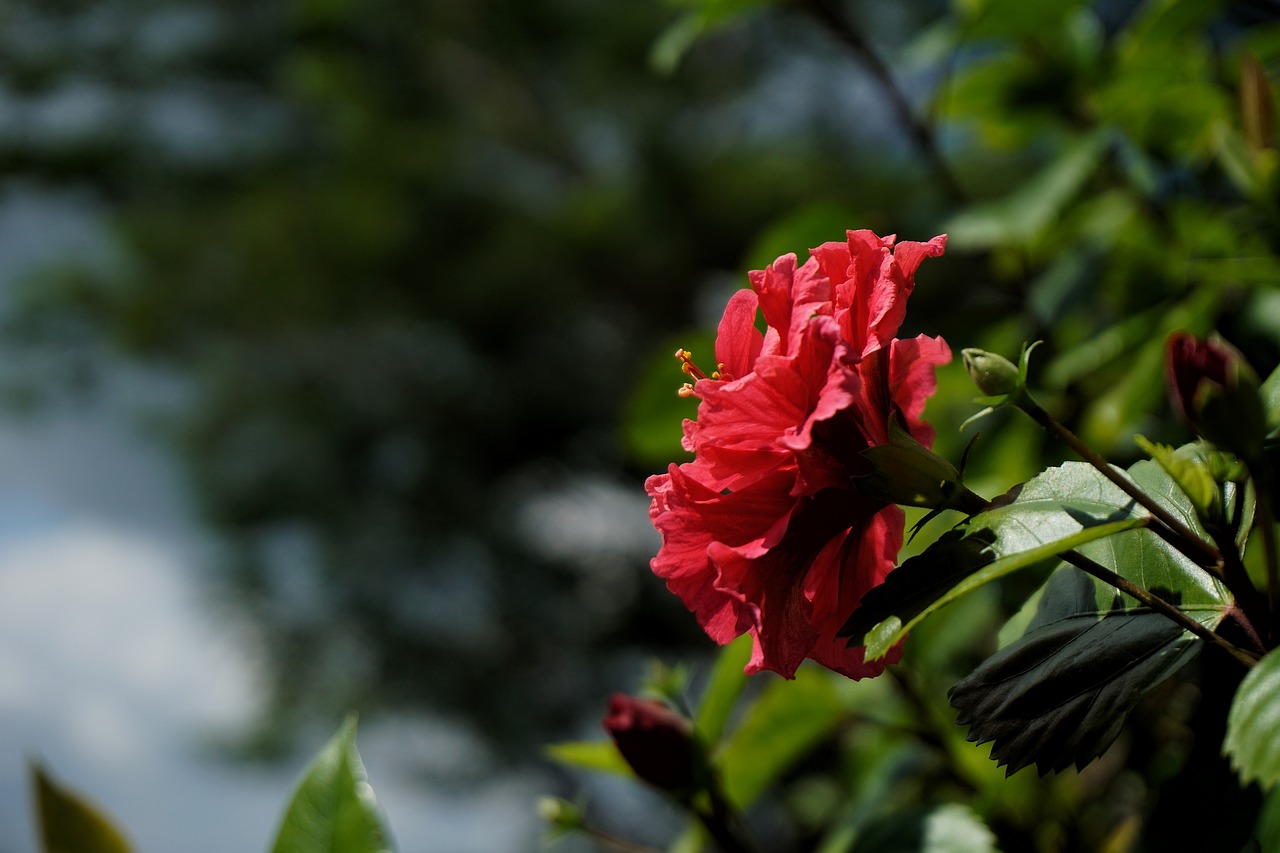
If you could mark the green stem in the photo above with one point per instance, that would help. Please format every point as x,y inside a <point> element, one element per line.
<point>723,824</point>
<point>1157,604</point>
<point>1170,528</point>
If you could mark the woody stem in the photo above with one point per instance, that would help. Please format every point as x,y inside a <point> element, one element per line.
<point>1156,603</point>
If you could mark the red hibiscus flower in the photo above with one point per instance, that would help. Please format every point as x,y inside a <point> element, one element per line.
<point>765,531</point>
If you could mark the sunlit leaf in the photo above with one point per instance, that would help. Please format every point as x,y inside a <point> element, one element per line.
<point>725,685</point>
<point>788,719</point>
<point>596,755</point>
<point>1253,726</point>
<point>334,808</point>
<point>1270,393</point>
<point>1034,205</point>
<point>70,824</point>
<point>1192,475</point>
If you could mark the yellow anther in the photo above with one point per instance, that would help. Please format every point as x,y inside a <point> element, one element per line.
<point>685,390</point>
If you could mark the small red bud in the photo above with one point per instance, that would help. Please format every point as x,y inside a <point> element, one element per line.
<point>655,740</point>
<point>1215,392</point>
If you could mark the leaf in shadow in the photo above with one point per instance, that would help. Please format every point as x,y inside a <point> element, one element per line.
<point>1059,695</point>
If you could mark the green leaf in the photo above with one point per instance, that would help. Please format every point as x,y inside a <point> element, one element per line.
<point>70,824</point>
<point>727,681</point>
<point>1152,563</point>
<point>1191,473</point>
<point>1267,830</point>
<point>1270,394</point>
<point>781,726</point>
<point>334,810</point>
<point>1037,203</point>
<point>600,756</point>
<point>1253,725</point>
<point>1061,509</point>
<point>1060,693</point>
<point>950,828</point>
<point>705,16</point>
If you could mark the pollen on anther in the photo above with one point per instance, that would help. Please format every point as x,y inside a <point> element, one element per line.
<point>685,390</point>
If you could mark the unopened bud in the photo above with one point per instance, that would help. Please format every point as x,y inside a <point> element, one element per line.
<point>655,740</point>
<point>1215,391</point>
<point>994,374</point>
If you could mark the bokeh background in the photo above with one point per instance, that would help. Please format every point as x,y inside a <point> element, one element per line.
<point>336,342</point>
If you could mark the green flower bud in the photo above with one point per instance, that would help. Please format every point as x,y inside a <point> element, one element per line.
<point>994,374</point>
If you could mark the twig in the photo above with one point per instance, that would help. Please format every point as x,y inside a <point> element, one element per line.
<point>1156,603</point>
<point>1174,531</point>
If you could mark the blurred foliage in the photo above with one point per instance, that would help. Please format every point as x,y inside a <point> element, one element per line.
<point>419,268</point>
<point>70,824</point>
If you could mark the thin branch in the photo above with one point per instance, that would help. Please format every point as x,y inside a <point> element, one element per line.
<point>1174,531</point>
<point>1157,604</point>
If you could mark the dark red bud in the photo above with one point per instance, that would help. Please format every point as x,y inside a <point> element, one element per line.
<point>655,740</point>
<point>1190,362</point>
<point>1215,392</point>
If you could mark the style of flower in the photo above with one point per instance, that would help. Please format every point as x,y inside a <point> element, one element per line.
<point>765,531</point>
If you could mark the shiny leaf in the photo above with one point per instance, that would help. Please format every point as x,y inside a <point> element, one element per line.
<point>1253,726</point>
<point>334,810</point>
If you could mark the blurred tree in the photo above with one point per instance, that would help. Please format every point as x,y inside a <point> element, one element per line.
<point>408,259</point>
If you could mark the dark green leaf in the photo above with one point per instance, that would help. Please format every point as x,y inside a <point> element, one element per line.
<point>1267,830</point>
<point>69,824</point>
<point>1060,694</point>
<point>1253,726</point>
<point>334,810</point>
<point>651,425</point>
